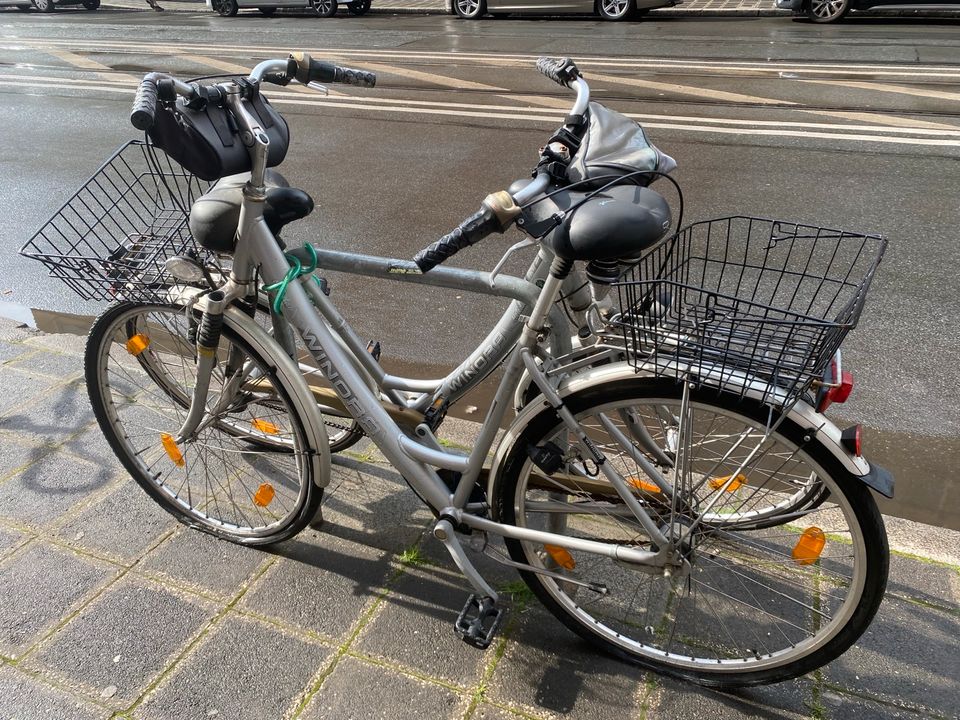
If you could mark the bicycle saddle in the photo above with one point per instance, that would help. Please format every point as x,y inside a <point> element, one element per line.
<point>619,222</point>
<point>215,214</point>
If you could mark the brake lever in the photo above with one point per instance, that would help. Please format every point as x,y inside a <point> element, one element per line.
<point>525,243</point>
<point>313,85</point>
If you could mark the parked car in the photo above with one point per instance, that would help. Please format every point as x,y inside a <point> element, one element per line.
<point>48,5</point>
<point>824,11</point>
<point>323,8</point>
<point>607,9</point>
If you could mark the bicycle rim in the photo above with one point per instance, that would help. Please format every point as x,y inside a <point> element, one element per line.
<point>245,473</point>
<point>752,604</point>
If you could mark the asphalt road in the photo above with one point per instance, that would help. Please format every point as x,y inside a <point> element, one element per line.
<point>855,126</point>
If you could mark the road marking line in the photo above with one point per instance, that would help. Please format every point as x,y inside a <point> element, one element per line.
<point>898,89</point>
<point>902,70</point>
<point>86,64</point>
<point>895,120</point>
<point>690,90</point>
<point>706,125</point>
<point>895,124</point>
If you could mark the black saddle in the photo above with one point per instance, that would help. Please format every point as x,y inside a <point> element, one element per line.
<point>215,214</point>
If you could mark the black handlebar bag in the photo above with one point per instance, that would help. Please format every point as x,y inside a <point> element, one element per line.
<point>207,142</point>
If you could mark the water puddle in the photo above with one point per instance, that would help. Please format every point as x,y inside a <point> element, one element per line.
<point>927,484</point>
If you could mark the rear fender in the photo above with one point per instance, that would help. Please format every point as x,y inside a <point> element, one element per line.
<point>821,428</point>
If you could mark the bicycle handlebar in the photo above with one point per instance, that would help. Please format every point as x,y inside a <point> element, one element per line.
<point>471,231</point>
<point>306,70</point>
<point>562,71</point>
<point>298,65</point>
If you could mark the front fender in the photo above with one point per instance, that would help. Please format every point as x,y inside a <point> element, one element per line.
<point>802,414</point>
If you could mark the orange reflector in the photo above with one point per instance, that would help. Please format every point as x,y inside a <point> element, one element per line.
<point>173,452</point>
<point>644,485</point>
<point>137,344</point>
<point>718,482</point>
<point>809,546</point>
<point>265,426</point>
<point>263,495</point>
<point>560,556</point>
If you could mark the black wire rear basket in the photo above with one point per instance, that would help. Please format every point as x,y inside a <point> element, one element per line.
<point>753,306</point>
<point>111,238</point>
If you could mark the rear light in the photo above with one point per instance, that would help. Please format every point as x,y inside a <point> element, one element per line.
<point>836,386</point>
<point>851,439</point>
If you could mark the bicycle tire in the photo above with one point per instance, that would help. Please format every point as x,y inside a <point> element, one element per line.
<point>747,611</point>
<point>272,482</point>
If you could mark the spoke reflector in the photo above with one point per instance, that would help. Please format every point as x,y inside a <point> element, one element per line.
<point>264,495</point>
<point>264,426</point>
<point>173,452</point>
<point>644,485</point>
<point>137,344</point>
<point>809,546</point>
<point>718,482</point>
<point>561,557</point>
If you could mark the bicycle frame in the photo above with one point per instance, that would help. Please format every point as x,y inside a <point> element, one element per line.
<point>415,461</point>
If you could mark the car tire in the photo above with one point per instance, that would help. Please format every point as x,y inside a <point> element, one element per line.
<point>358,7</point>
<point>227,8</point>
<point>616,9</point>
<point>826,11</point>
<point>325,8</point>
<point>44,6</point>
<point>267,11</point>
<point>91,4</point>
<point>470,9</point>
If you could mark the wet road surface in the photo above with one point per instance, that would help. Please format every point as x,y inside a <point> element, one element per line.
<point>855,126</point>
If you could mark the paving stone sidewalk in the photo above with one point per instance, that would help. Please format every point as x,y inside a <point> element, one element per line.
<point>108,608</point>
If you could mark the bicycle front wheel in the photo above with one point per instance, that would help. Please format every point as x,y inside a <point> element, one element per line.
<point>752,603</point>
<point>245,474</point>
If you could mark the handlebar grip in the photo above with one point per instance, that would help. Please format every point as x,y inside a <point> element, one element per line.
<point>350,76</point>
<point>144,104</point>
<point>562,71</point>
<point>308,70</point>
<point>470,231</point>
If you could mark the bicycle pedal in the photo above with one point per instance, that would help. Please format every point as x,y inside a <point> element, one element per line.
<point>479,621</point>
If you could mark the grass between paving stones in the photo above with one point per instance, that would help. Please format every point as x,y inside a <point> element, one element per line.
<point>413,556</point>
<point>212,623</point>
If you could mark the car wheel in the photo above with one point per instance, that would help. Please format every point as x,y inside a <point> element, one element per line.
<point>227,8</point>
<point>91,4</point>
<point>358,7</point>
<point>325,8</point>
<point>470,9</point>
<point>267,11</point>
<point>825,11</point>
<point>615,9</point>
<point>44,5</point>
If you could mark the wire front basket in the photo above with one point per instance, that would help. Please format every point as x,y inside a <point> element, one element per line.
<point>754,306</point>
<point>112,237</point>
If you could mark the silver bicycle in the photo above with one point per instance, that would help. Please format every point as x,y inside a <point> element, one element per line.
<point>668,489</point>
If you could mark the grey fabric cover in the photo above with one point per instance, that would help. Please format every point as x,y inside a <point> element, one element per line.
<point>616,145</point>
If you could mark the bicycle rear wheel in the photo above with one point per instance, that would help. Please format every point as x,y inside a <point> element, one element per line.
<point>754,602</point>
<point>246,473</point>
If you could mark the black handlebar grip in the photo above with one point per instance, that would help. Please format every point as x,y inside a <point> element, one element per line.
<point>144,105</point>
<point>470,231</point>
<point>562,71</point>
<point>350,76</point>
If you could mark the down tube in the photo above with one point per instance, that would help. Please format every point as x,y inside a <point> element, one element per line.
<point>335,365</point>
